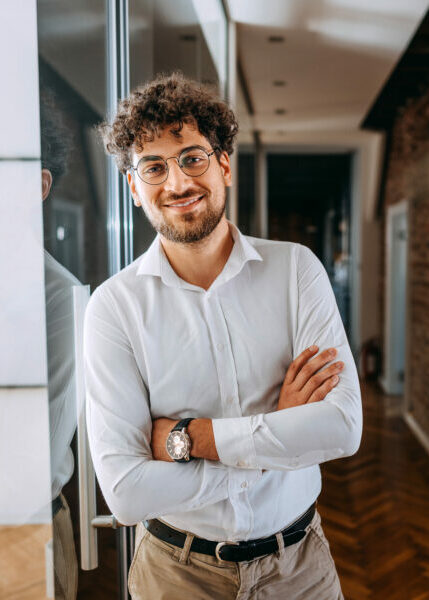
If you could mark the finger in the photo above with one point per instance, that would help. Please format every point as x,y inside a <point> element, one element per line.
<point>319,378</point>
<point>313,366</point>
<point>299,362</point>
<point>324,389</point>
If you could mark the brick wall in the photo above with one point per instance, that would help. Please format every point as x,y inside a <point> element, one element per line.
<point>407,177</point>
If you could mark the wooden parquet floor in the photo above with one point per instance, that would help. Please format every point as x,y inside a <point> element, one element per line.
<point>375,509</point>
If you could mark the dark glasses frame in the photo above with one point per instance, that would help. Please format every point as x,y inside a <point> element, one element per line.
<point>167,169</point>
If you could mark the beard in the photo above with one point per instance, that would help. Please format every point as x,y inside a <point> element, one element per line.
<point>188,228</point>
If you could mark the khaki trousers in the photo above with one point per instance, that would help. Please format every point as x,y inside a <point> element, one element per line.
<point>65,561</point>
<point>303,571</point>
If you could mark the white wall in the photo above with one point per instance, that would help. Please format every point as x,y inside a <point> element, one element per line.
<point>24,424</point>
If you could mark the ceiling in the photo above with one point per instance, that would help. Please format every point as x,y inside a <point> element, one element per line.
<point>334,56</point>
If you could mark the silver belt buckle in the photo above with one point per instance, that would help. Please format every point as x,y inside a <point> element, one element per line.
<point>220,545</point>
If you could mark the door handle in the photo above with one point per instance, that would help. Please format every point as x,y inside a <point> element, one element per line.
<point>106,521</point>
<point>89,521</point>
<point>86,473</point>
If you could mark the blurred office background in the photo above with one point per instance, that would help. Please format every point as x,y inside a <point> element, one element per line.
<point>332,97</point>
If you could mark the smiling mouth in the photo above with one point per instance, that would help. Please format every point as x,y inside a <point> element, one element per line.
<point>186,203</point>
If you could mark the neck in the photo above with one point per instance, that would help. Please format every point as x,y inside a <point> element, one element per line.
<point>201,262</point>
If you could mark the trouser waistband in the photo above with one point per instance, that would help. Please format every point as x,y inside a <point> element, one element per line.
<point>235,551</point>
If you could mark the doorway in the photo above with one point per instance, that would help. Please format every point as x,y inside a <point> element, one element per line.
<point>309,202</point>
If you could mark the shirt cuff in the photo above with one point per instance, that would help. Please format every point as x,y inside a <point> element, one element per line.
<point>234,442</point>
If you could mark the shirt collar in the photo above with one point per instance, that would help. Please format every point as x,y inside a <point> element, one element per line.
<point>155,262</point>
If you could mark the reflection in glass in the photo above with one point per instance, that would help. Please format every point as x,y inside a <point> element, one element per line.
<point>59,282</point>
<point>72,59</point>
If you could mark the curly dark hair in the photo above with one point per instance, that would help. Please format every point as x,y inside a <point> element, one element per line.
<point>167,100</point>
<point>55,137</point>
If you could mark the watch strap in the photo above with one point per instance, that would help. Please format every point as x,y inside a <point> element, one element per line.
<point>183,423</point>
<point>180,425</point>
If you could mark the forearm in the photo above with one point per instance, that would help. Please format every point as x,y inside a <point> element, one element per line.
<point>286,439</point>
<point>292,438</point>
<point>144,489</point>
<point>289,438</point>
<point>163,486</point>
<point>200,432</point>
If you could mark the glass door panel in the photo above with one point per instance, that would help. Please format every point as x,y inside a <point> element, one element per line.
<point>72,78</point>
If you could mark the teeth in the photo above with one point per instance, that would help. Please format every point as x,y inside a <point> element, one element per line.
<point>186,203</point>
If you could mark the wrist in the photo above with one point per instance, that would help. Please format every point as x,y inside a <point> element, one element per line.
<point>203,444</point>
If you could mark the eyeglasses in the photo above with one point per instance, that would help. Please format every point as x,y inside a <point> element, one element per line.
<point>193,161</point>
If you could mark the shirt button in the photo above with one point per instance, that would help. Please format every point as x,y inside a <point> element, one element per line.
<point>219,346</point>
<point>244,484</point>
<point>242,463</point>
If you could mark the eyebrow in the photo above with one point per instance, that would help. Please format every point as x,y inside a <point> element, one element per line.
<point>153,156</point>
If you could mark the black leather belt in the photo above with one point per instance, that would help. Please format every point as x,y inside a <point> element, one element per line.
<point>233,551</point>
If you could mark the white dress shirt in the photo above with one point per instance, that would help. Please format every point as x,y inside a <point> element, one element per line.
<point>157,346</point>
<point>59,284</point>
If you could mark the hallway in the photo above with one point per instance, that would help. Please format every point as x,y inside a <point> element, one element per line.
<point>374,509</point>
<point>322,112</point>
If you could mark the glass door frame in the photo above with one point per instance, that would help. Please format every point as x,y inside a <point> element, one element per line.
<point>119,211</point>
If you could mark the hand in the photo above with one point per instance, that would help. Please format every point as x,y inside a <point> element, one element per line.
<point>160,429</point>
<point>305,383</point>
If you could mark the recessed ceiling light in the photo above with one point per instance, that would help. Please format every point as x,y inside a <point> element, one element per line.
<point>280,111</point>
<point>279,83</point>
<point>276,39</point>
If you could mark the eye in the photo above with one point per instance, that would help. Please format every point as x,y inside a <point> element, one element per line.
<point>190,160</point>
<point>152,169</point>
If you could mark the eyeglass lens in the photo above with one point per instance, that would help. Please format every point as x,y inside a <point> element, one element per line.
<point>154,169</point>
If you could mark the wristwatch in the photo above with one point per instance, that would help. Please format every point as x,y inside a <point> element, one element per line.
<point>178,442</point>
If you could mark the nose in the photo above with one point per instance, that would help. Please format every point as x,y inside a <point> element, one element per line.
<point>177,181</point>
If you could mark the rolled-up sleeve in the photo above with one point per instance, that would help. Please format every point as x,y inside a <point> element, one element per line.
<point>313,433</point>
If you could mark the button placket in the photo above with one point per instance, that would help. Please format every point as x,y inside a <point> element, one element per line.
<point>211,325</point>
<point>230,399</point>
<point>223,356</point>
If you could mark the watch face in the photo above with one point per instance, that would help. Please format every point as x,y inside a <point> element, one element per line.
<point>178,445</point>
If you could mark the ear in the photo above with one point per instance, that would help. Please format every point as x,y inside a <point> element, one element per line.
<point>46,183</point>
<point>134,193</point>
<point>225,166</point>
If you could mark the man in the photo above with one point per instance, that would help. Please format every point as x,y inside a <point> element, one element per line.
<point>220,328</point>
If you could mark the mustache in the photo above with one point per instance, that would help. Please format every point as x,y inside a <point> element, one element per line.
<point>188,194</point>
